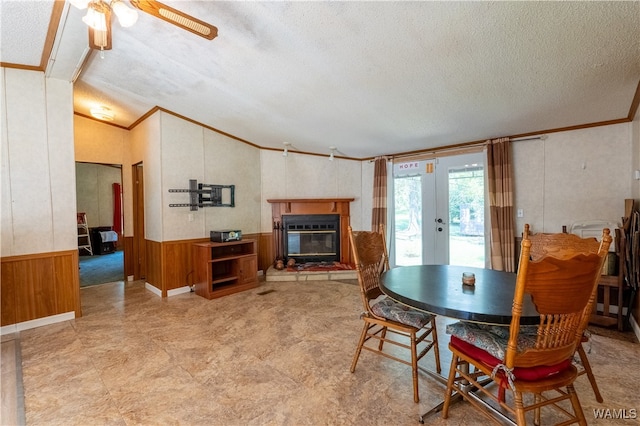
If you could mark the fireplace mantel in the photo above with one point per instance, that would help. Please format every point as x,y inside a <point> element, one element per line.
<point>302,206</point>
<point>310,205</point>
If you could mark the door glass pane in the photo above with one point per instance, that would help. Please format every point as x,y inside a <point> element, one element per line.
<point>466,216</point>
<point>408,220</point>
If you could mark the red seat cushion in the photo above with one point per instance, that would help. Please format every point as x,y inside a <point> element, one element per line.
<point>520,373</point>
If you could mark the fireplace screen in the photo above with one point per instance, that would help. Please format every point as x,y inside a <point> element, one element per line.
<point>312,238</point>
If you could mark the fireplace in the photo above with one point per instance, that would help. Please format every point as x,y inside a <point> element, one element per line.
<point>326,239</point>
<point>311,238</point>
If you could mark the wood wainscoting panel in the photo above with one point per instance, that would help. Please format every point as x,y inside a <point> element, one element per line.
<point>127,249</point>
<point>153,265</point>
<point>67,279</point>
<point>176,258</point>
<point>266,251</point>
<point>39,285</point>
<point>8,292</point>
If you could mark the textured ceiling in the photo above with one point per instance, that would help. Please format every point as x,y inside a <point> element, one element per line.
<point>369,78</point>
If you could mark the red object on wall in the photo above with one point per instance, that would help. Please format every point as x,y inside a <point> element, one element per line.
<point>117,208</point>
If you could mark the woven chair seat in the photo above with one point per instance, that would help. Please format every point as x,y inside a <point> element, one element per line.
<point>491,338</point>
<point>394,311</point>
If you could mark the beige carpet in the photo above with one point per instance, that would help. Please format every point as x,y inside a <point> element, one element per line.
<point>277,355</point>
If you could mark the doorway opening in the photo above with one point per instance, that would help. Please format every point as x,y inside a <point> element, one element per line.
<point>99,201</point>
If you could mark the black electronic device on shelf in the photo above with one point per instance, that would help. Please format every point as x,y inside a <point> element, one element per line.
<point>226,236</point>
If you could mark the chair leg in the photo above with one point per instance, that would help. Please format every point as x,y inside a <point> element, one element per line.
<point>447,395</point>
<point>383,336</point>
<point>517,400</point>
<point>436,348</point>
<point>414,366</point>
<point>587,368</point>
<point>363,336</point>
<point>536,412</point>
<point>575,403</point>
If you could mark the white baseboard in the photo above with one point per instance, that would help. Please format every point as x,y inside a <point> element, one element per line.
<point>173,292</point>
<point>635,327</point>
<point>176,291</point>
<point>39,322</point>
<point>153,289</point>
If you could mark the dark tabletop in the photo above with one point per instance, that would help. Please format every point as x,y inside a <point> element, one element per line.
<point>438,289</point>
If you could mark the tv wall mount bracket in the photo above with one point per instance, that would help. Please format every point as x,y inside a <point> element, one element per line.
<point>206,195</point>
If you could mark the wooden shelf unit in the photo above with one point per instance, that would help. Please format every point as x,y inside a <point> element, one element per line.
<point>606,317</point>
<point>608,285</point>
<point>224,268</point>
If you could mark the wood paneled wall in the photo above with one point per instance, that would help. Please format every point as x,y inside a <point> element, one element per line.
<point>39,285</point>
<point>266,251</point>
<point>154,264</point>
<point>128,256</point>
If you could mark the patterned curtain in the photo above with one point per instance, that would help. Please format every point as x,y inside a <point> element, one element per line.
<point>500,176</point>
<point>379,211</point>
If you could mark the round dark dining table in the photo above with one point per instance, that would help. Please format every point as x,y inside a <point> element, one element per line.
<point>438,289</point>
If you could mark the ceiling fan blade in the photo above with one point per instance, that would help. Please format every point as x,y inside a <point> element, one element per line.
<point>177,17</point>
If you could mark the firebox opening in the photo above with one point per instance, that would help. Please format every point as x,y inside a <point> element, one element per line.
<point>311,238</point>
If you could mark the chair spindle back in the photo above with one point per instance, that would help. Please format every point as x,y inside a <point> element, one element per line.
<point>561,282</point>
<point>371,259</point>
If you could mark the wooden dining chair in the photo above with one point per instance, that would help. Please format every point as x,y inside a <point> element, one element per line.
<point>384,317</point>
<point>562,288</point>
<point>565,245</point>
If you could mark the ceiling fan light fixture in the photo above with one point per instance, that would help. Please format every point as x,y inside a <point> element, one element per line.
<point>96,16</point>
<point>103,113</point>
<point>80,4</point>
<point>126,16</point>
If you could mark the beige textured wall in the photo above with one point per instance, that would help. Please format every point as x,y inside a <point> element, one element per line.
<point>145,142</point>
<point>230,162</point>
<point>38,185</point>
<point>573,176</point>
<point>309,176</point>
<point>96,142</point>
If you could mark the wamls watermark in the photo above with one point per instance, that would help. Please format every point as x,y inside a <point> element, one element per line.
<point>615,413</point>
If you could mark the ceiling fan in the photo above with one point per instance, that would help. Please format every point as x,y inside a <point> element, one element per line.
<point>98,18</point>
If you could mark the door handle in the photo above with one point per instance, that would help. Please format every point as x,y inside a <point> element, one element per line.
<point>439,229</point>
<point>439,220</point>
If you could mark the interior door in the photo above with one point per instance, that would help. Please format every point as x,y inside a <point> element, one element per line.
<point>139,243</point>
<point>439,211</point>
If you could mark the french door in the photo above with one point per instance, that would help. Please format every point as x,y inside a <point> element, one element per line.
<point>439,210</point>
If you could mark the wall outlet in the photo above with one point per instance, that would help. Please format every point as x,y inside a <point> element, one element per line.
<point>520,213</point>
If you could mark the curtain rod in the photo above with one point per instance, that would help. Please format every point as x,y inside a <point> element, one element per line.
<point>532,138</point>
<point>461,147</point>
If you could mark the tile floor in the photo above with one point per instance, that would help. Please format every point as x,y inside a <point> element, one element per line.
<point>277,355</point>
